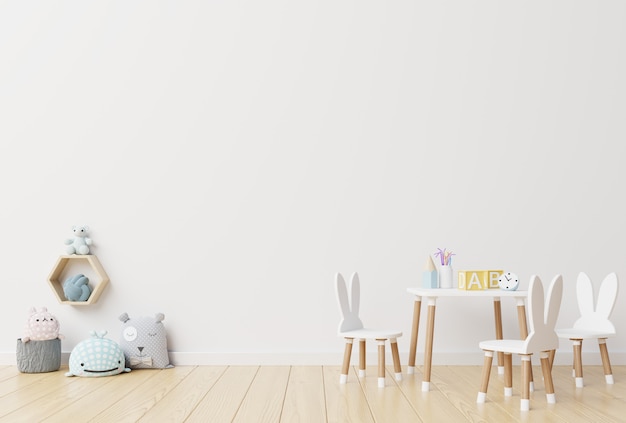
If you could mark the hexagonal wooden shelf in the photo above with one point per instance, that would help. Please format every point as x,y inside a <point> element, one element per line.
<point>97,285</point>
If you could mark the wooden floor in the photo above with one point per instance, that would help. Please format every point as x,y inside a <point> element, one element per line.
<point>300,394</point>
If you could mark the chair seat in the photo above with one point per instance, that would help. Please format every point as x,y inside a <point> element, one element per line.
<point>512,346</point>
<point>573,333</point>
<point>365,333</point>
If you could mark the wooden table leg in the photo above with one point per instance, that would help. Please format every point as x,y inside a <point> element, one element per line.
<point>428,350</point>
<point>417,307</point>
<point>523,331</point>
<point>497,311</point>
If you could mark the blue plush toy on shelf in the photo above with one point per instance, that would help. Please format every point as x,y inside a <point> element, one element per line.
<point>80,243</point>
<point>76,288</point>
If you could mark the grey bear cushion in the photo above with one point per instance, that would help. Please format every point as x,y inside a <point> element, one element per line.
<point>144,342</point>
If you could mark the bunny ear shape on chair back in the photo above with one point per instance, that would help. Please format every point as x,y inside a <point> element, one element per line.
<point>543,314</point>
<point>355,293</point>
<point>584,295</point>
<point>607,296</point>
<point>535,303</point>
<point>349,307</point>
<point>553,302</point>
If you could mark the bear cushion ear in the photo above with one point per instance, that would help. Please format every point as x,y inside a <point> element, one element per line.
<point>159,317</point>
<point>124,317</point>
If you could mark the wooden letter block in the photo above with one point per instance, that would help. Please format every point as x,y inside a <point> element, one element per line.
<point>493,278</point>
<point>475,280</point>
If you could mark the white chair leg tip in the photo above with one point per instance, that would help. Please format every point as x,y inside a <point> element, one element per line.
<point>500,370</point>
<point>410,370</point>
<point>609,379</point>
<point>532,386</point>
<point>398,377</point>
<point>343,379</point>
<point>508,392</point>
<point>551,398</point>
<point>361,373</point>
<point>481,397</point>
<point>425,386</point>
<point>524,405</point>
<point>579,382</point>
<point>381,382</point>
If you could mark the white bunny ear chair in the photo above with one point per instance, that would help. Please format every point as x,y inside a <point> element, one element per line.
<point>594,322</point>
<point>541,339</point>
<point>352,328</point>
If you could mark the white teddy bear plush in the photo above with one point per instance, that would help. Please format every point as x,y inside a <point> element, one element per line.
<point>80,243</point>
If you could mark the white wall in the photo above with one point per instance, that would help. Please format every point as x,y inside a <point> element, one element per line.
<point>230,157</point>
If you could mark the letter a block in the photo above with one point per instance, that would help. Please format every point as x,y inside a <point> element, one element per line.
<point>472,280</point>
<point>476,280</point>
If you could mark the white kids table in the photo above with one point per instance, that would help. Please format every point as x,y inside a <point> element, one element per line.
<point>431,295</point>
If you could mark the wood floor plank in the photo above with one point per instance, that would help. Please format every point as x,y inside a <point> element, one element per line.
<point>183,399</point>
<point>7,372</point>
<point>223,400</point>
<point>304,399</point>
<point>347,402</point>
<point>14,380</point>
<point>595,401</point>
<point>302,394</point>
<point>432,406</point>
<point>387,402</point>
<point>40,387</point>
<point>462,394</point>
<point>101,393</point>
<point>264,401</point>
<point>137,403</point>
<point>50,405</point>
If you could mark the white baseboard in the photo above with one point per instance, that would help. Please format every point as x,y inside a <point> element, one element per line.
<point>618,358</point>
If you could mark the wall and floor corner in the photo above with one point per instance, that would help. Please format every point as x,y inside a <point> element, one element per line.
<point>230,157</point>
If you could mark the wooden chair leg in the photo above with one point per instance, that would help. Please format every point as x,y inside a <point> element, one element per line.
<point>551,355</point>
<point>343,378</point>
<point>417,306</point>
<point>578,362</point>
<point>397,368</point>
<point>546,368</point>
<point>508,375</point>
<point>604,353</point>
<point>484,382</point>
<point>525,401</point>
<point>362,358</point>
<point>521,318</point>
<point>381,363</point>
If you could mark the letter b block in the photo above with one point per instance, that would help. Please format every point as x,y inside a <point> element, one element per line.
<point>475,280</point>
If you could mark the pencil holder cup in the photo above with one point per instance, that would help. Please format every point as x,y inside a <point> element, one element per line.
<point>445,276</point>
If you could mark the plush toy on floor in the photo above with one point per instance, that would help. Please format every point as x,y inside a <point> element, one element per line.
<point>80,243</point>
<point>97,356</point>
<point>39,348</point>
<point>76,288</point>
<point>144,342</point>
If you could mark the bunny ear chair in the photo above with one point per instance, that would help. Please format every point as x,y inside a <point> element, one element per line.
<point>352,328</point>
<point>541,339</point>
<point>594,322</point>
